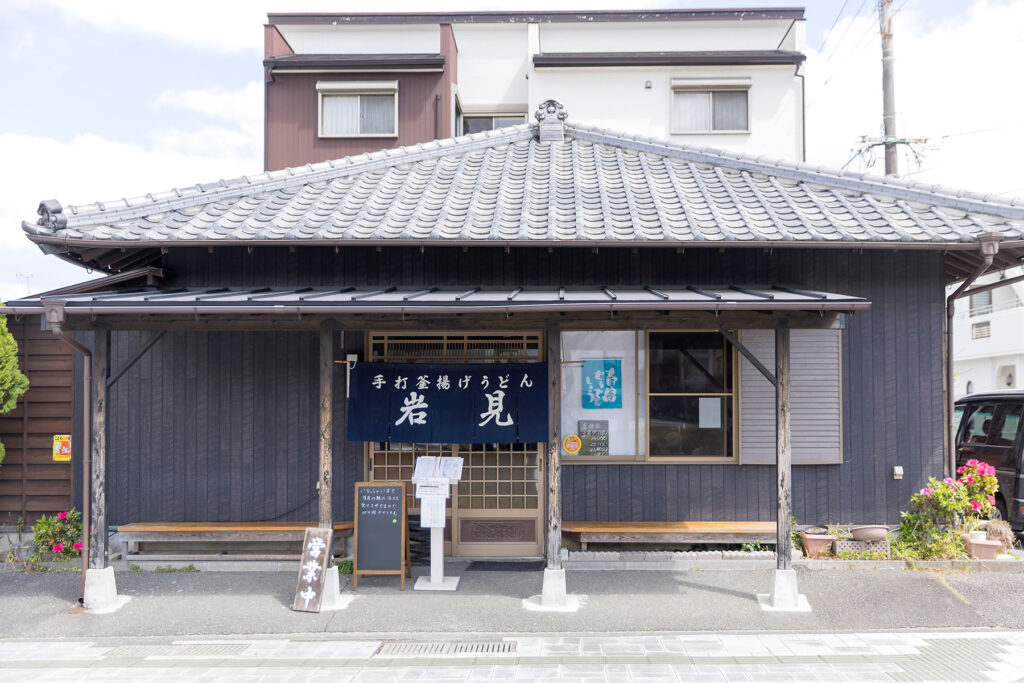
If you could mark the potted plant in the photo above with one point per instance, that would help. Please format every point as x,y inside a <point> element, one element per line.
<point>869,532</point>
<point>816,541</point>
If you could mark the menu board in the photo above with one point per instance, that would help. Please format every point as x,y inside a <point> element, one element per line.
<point>381,530</point>
<point>594,435</point>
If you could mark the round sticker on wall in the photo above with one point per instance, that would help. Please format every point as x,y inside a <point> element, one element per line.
<point>572,444</point>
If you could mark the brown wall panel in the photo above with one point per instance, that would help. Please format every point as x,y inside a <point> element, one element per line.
<point>43,486</point>
<point>292,135</point>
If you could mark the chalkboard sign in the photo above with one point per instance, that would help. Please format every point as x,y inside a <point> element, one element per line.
<point>381,530</point>
<point>594,435</point>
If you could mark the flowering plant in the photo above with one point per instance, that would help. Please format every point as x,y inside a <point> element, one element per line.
<point>942,510</point>
<point>59,535</point>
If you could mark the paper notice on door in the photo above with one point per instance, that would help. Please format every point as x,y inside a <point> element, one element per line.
<point>710,409</point>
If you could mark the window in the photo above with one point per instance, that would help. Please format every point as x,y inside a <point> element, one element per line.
<point>478,124</point>
<point>981,303</point>
<point>981,330</point>
<point>690,398</point>
<point>978,425</point>
<point>719,106</point>
<point>357,109</point>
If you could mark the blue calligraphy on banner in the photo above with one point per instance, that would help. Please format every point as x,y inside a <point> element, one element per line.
<point>421,403</point>
<point>602,384</point>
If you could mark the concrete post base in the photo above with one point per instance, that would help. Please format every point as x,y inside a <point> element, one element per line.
<point>333,599</point>
<point>554,597</point>
<point>784,596</point>
<point>101,591</point>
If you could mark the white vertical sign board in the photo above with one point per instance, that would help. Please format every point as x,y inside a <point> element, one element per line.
<point>433,478</point>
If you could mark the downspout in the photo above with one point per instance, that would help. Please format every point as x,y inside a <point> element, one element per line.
<point>989,248</point>
<point>54,311</point>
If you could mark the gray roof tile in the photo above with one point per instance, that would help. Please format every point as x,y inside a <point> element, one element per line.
<point>506,185</point>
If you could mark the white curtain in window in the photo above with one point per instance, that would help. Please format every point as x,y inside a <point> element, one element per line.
<point>377,114</point>
<point>691,112</point>
<point>730,110</point>
<point>340,115</point>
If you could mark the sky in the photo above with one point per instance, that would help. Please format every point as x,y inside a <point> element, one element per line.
<point>113,98</point>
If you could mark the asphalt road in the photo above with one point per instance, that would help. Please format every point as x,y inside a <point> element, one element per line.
<point>43,605</point>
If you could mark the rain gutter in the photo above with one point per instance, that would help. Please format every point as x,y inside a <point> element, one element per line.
<point>989,247</point>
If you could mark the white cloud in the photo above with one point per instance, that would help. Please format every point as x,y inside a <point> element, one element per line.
<point>89,168</point>
<point>243,106</point>
<point>955,85</point>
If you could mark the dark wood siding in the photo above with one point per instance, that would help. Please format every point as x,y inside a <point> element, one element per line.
<point>221,426</point>
<point>258,432</point>
<point>31,483</point>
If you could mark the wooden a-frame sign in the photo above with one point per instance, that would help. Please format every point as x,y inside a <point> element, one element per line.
<point>381,530</point>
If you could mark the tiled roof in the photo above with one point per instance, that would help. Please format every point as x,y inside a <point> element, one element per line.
<point>508,187</point>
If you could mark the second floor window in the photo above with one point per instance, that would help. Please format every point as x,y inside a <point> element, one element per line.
<point>709,106</point>
<point>357,109</point>
<point>478,124</point>
<point>981,303</point>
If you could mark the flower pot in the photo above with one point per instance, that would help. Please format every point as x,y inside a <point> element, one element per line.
<point>814,544</point>
<point>979,536</point>
<point>981,550</point>
<point>870,532</point>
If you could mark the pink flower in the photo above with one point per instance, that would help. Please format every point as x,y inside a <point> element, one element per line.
<point>62,515</point>
<point>972,462</point>
<point>975,505</point>
<point>926,491</point>
<point>947,480</point>
<point>969,480</point>
<point>77,546</point>
<point>992,499</point>
<point>58,548</point>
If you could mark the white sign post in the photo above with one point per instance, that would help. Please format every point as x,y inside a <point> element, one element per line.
<point>434,478</point>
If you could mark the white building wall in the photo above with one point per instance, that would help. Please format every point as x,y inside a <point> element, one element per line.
<point>618,99</point>
<point>995,362</point>
<point>325,39</point>
<point>662,36</point>
<point>493,65</point>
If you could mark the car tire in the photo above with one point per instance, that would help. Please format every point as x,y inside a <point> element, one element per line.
<point>1000,509</point>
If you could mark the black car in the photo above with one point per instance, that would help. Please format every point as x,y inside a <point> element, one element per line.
<point>990,428</point>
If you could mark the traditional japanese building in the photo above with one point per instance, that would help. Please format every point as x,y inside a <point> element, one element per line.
<point>649,284</point>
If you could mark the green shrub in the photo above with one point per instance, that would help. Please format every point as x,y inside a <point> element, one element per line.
<point>943,510</point>
<point>12,382</point>
<point>59,536</point>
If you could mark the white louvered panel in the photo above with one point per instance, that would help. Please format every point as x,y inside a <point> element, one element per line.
<point>815,398</point>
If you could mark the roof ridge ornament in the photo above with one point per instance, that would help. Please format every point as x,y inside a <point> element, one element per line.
<point>551,115</point>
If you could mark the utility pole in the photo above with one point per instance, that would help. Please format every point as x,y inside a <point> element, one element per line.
<point>888,88</point>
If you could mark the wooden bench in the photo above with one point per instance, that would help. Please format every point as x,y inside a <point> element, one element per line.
<point>131,535</point>
<point>670,532</point>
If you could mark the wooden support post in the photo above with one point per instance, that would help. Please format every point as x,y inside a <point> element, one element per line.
<point>98,469</point>
<point>783,455</point>
<point>554,356</point>
<point>325,484</point>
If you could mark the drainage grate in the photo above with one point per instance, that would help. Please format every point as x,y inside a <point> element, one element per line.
<point>189,651</point>
<point>420,649</point>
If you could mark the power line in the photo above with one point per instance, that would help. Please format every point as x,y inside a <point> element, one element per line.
<point>845,32</point>
<point>834,22</point>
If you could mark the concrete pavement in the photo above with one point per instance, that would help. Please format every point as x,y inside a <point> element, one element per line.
<point>42,605</point>
<point>705,658</point>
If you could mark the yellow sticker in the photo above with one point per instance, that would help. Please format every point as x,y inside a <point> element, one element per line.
<point>61,447</point>
<point>572,444</point>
